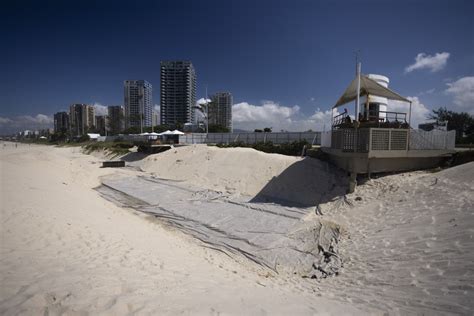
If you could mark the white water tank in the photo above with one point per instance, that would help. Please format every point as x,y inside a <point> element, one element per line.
<point>376,104</point>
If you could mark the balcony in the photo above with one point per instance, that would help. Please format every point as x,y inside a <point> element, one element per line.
<point>377,119</point>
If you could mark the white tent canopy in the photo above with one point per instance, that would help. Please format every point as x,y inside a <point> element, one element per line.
<point>367,86</point>
<point>176,132</point>
<point>167,132</point>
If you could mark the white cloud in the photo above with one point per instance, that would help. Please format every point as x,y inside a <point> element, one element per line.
<point>4,120</point>
<point>419,112</point>
<point>462,91</point>
<point>20,123</point>
<point>202,101</point>
<point>100,109</point>
<point>430,91</point>
<point>433,63</point>
<point>270,114</point>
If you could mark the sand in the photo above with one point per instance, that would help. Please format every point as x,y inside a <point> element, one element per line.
<point>406,244</point>
<point>409,242</point>
<point>246,171</point>
<point>66,250</point>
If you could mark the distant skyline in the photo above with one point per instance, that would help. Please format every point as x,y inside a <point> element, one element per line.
<point>285,62</point>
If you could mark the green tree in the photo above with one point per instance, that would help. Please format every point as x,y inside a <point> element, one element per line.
<point>462,123</point>
<point>132,130</point>
<point>216,128</point>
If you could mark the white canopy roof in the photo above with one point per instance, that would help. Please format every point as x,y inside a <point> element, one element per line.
<point>168,132</point>
<point>367,86</point>
<point>93,135</point>
<point>176,132</point>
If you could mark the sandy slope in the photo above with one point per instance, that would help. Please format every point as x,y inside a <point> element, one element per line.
<point>409,245</point>
<point>64,249</point>
<point>246,171</point>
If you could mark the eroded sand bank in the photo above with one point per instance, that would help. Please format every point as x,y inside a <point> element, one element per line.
<point>407,240</point>
<point>65,249</point>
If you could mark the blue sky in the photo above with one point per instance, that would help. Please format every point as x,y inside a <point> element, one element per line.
<point>285,62</point>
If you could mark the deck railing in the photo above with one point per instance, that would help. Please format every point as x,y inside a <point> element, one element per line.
<point>363,140</point>
<point>314,138</point>
<point>383,119</point>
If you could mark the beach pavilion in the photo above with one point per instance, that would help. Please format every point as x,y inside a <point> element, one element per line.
<point>375,139</point>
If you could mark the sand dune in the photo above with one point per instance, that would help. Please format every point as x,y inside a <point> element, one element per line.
<point>411,246</point>
<point>66,250</point>
<point>407,243</point>
<point>246,171</point>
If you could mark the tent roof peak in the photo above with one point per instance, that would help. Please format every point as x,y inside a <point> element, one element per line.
<point>367,86</point>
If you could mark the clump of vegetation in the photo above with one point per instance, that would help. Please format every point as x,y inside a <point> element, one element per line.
<point>290,149</point>
<point>462,123</point>
<point>114,148</point>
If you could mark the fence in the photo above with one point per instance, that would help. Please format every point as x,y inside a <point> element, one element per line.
<point>369,139</point>
<point>313,138</point>
<point>434,139</point>
<point>130,138</point>
<point>345,139</point>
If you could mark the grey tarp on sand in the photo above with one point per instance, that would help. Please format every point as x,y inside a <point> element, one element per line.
<point>367,86</point>
<point>271,235</point>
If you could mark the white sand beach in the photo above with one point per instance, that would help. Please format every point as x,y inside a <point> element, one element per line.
<point>66,250</point>
<point>406,241</point>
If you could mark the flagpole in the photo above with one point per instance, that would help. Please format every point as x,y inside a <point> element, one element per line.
<point>357,105</point>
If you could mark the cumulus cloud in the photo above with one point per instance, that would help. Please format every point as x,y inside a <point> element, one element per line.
<point>24,122</point>
<point>462,91</point>
<point>5,120</point>
<point>268,112</point>
<point>279,117</point>
<point>429,91</point>
<point>419,112</point>
<point>202,101</point>
<point>100,109</point>
<point>433,63</point>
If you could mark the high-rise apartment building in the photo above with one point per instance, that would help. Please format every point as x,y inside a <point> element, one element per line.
<point>116,123</point>
<point>220,110</point>
<point>178,92</point>
<point>156,117</point>
<point>61,122</point>
<point>138,103</point>
<point>101,124</point>
<point>81,119</point>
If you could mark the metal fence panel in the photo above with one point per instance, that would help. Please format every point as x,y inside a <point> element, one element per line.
<point>313,138</point>
<point>435,139</point>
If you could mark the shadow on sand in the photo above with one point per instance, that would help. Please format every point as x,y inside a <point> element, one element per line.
<point>133,156</point>
<point>305,183</point>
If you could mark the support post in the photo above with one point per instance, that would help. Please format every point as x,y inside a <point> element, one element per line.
<point>357,105</point>
<point>352,182</point>
<point>409,128</point>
